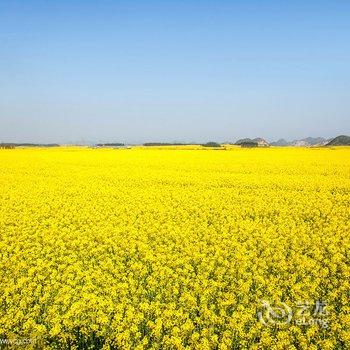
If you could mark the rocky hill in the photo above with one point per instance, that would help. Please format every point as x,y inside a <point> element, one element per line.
<point>261,142</point>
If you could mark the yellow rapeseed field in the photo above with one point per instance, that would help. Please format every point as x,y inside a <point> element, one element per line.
<point>148,248</point>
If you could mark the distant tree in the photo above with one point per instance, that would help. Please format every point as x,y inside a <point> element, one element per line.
<point>165,144</point>
<point>211,144</point>
<point>7,146</point>
<point>13,145</point>
<point>114,144</point>
<point>249,144</point>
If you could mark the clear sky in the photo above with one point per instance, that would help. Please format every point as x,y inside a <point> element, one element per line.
<point>138,71</point>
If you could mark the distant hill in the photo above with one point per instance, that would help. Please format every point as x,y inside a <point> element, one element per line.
<point>280,143</point>
<point>240,141</point>
<point>310,141</point>
<point>341,140</point>
<point>313,141</point>
<point>261,142</point>
<point>299,143</point>
<point>258,142</point>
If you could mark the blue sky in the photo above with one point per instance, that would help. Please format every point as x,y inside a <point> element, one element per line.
<point>137,71</point>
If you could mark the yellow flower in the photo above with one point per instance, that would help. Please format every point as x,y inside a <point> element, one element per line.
<point>174,247</point>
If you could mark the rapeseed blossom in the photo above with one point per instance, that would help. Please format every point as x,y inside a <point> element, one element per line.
<point>173,248</point>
